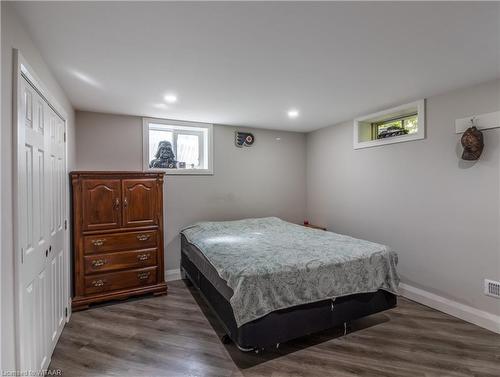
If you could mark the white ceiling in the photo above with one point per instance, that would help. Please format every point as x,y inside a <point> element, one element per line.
<point>247,64</point>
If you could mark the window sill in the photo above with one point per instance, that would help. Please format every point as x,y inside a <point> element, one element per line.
<point>184,171</point>
<point>389,140</point>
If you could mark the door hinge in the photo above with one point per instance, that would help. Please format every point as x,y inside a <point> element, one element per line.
<point>65,137</point>
<point>65,224</point>
<point>66,312</point>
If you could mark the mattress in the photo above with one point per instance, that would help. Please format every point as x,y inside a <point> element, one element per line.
<point>205,267</point>
<point>270,264</point>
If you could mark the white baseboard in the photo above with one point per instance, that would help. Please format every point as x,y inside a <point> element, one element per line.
<point>467,313</point>
<point>171,275</point>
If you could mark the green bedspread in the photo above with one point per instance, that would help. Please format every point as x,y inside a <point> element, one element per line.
<point>271,264</point>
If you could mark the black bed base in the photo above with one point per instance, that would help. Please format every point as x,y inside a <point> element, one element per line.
<point>286,324</point>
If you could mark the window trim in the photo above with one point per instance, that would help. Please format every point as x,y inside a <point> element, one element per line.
<point>209,153</point>
<point>403,110</point>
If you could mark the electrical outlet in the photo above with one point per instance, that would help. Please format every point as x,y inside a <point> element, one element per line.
<point>492,288</point>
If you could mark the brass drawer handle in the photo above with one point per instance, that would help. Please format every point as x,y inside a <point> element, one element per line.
<point>143,237</point>
<point>98,263</point>
<point>143,275</point>
<point>143,257</point>
<point>98,283</point>
<point>99,242</point>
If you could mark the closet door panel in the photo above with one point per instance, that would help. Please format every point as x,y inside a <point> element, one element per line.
<point>56,203</point>
<point>33,178</point>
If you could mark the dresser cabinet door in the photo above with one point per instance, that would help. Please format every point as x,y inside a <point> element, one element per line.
<point>101,207</point>
<point>140,202</point>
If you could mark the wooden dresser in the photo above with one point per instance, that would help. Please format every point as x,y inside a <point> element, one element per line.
<point>117,236</point>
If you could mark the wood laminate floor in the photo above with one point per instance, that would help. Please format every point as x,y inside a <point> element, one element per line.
<point>176,335</point>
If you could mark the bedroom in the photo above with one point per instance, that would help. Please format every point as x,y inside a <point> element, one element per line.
<point>245,125</point>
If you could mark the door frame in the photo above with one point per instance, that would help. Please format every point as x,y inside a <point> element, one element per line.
<point>23,69</point>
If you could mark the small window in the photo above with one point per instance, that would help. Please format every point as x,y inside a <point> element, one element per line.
<point>399,124</point>
<point>177,147</point>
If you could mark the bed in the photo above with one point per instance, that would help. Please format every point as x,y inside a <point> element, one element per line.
<point>269,281</point>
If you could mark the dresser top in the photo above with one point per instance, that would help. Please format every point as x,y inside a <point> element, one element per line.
<point>101,173</point>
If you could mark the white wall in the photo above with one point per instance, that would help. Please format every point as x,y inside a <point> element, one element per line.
<point>14,36</point>
<point>267,179</point>
<point>441,214</point>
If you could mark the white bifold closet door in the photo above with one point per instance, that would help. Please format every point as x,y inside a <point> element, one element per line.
<point>41,207</point>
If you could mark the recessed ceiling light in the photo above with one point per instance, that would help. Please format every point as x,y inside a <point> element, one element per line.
<point>293,113</point>
<point>170,98</point>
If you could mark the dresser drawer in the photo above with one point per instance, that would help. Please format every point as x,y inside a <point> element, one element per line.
<point>120,260</point>
<point>120,241</point>
<point>114,281</point>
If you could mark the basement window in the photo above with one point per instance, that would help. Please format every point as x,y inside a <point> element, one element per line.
<point>177,147</point>
<point>399,124</point>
